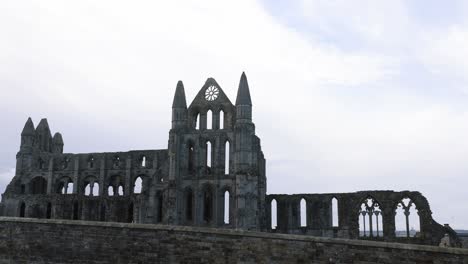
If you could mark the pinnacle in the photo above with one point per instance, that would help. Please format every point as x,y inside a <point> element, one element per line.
<point>28,128</point>
<point>179,97</point>
<point>243,94</point>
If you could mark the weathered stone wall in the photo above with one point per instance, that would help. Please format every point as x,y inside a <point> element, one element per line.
<point>25,240</point>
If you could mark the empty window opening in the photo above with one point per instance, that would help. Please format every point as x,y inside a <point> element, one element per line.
<point>208,154</point>
<point>138,185</point>
<point>197,122</point>
<point>191,165</point>
<point>226,158</point>
<point>209,120</point>
<point>303,209</point>
<point>189,205</point>
<point>68,188</point>
<point>87,190</point>
<point>143,161</point>
<point>407,221</point>
<point>49,211</point>
<point>121,190</point>
<point>207,205</point>
<point>335,220</point>
<point>22,210</point>
<point>110,191</point>
<point>75,211</point>
<point>274,214</point>
<point>221,119</point>
<point>226,207</point>
<point>95,189</point>
<point>130,218</point>
<point>370,219</point>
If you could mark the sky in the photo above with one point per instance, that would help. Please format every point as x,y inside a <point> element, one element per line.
<point>347,95</point>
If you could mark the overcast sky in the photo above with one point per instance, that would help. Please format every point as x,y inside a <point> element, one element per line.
<point>347,95</point>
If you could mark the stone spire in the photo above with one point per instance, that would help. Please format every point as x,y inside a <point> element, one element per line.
<point>179,97</point>
<point>28,129</point>
<point>243,94</point>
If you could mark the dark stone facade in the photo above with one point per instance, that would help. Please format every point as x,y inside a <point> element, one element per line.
<point>23,241</point>
<point>212,174</point>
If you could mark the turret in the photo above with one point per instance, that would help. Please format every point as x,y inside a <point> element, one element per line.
<point>243,101</point>
<point>43,136</point>
<point>27,136</point>
<point>57,143</point>
<point>179,107</point>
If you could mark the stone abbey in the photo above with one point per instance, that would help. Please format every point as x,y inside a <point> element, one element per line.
<point>212,174</point>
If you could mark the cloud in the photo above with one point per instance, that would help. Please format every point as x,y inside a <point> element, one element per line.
<point>337,101</point>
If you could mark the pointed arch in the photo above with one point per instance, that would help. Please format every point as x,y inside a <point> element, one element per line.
<point>221,119</point>
<point>209,119</point>
<point>207,198</point>
<point>95,189</point>
<point>208,154</point>
<point>274,214</point>
<point>191,158</point>
<point>138,185</point>
<point>110,190</point>
<point>407,220</point>
<point>226,157</point>
<point>197,122</point>
<point>120,190</point>
<point>370,218</point>
<point>87,190</point>
<point>189,204</point>
<point>303,212</point>
<point>334,212</point>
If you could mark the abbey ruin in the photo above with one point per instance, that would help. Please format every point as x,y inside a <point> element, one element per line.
<point>212,174</point>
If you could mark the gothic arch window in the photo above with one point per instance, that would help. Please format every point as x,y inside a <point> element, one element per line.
<point>209,119</point>
<point>22,211</point>
<point>274,214</point>
<point>407,221</point>
<point>138,186</point>
<point>370,218</point>
<point>120,190</point>
<point>189,204</point>
<point>226,207</point>
<point>191,157</point>
<point>197,122</point>
<point>303,212</point>
<point>95,189</point>
<point>334,212</point>
<point>143,161</point>
<point>207,204</point>
<point>110,191</point>
<point>208,155</point>
<point>130,213</point>
<point>221,119</point>
<point>226,157</point>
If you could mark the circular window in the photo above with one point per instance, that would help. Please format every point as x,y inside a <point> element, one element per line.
<point>211,93</point>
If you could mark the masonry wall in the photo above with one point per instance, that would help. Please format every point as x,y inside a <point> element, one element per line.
<point>25,240</point>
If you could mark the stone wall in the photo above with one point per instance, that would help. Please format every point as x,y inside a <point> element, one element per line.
<point>24,240</point>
